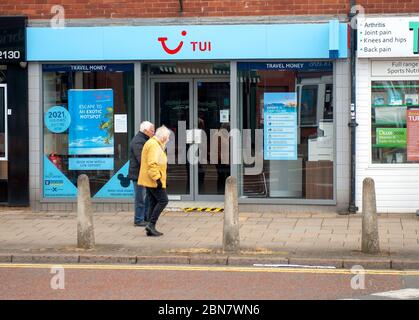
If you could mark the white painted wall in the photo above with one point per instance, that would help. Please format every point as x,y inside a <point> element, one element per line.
<point>397,185</point>
<point>342,94</point>
<point>34,85</point>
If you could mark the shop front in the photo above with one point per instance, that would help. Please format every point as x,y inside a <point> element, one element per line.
<point>264,103</point>
<point>14,144</point>
<point>388,111</point>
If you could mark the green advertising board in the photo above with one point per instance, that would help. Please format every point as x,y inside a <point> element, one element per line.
<point>391,137</point>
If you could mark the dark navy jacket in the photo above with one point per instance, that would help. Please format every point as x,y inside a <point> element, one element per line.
<point>135,149</point>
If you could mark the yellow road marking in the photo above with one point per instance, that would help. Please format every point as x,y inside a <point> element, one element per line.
<point>207,268</point>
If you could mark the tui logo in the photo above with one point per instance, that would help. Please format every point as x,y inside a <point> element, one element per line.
<point>414,26</point>
<point>163,40</point>
<point>204,46</point>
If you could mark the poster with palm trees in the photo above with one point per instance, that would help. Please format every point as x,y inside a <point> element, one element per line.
<point>91,130</point>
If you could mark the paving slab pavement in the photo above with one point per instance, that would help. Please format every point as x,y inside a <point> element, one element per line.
<point>196,237</point>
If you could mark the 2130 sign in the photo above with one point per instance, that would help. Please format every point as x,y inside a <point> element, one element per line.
<point>10,55</point>
<point>13,39</point>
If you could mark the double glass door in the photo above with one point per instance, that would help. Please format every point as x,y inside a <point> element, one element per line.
<point>197,111</point>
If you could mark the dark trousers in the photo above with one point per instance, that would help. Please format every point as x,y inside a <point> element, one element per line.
<point>158,200</point>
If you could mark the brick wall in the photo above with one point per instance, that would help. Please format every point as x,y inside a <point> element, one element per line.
<point>390,6</point>
<point>40,9</point>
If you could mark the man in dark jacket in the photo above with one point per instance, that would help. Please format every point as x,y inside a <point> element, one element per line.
<point>135,149</point>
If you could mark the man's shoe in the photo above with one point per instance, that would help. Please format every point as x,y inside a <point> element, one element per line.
<point>151,231</point>
<point>141,224</point>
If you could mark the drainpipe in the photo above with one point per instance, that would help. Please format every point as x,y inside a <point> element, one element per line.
<point>352,124</point>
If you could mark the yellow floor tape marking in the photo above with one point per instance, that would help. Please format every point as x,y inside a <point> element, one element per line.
<point>207,268</point>
<point>203,209</point>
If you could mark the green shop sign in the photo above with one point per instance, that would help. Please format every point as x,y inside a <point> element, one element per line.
<point>414,26</point>
<point>391,137</point>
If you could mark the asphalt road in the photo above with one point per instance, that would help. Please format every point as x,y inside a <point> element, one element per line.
<point>188,282</point>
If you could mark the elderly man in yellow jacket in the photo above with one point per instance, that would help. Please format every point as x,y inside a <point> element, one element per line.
<point>153,175</point>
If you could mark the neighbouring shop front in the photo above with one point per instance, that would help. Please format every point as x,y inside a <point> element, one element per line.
<point>388,111</point>
<point>242,100</point>
<point>14,143</point>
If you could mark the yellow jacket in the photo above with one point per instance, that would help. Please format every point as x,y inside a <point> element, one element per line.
<point>153,164</point>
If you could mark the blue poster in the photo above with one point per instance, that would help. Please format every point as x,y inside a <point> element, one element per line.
<point>280,126</point>
<point>119,186</point>
<point>56,184</point>
<point>92,128</point>
<point>57,119</point>
<point>90,163</point>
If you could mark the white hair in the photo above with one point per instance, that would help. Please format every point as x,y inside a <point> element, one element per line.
<point>145,125</point>
<point>162,133</point>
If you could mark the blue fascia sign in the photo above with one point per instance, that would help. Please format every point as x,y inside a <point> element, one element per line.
<point>189,42</point>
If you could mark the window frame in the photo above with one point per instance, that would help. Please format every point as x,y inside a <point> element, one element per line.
<point>6,133</point>
<point>371,164</point>
<point>238,170</point>
<point>137,88</point>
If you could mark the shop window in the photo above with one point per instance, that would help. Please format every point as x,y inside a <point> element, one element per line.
<point>88,123</point>
<point>286,114</point>
<point>3,135</point>
<point>395,121</point>
<point>3,122</point>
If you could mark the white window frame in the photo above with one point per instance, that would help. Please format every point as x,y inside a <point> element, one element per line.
<point>5,124</point>
<point>371,78</point>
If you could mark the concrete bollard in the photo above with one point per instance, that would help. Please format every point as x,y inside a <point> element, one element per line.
<point>370,240</point>
<point>85,229</point>
<point>231,238</point>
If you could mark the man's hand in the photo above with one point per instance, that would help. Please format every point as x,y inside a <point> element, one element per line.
<point>159,184</point>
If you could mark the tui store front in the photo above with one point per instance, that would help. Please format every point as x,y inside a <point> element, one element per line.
<point>266,103</point>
